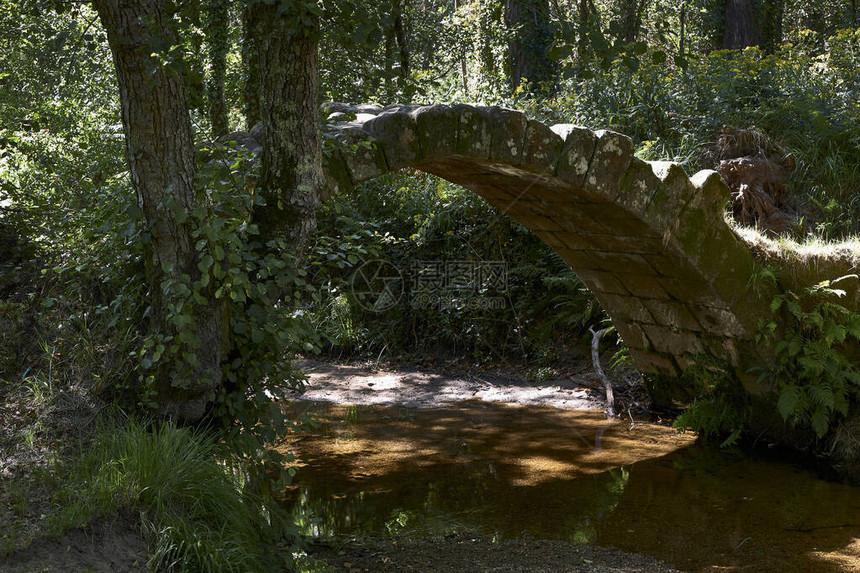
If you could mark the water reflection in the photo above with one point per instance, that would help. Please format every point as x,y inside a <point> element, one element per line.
<point>566,475</point>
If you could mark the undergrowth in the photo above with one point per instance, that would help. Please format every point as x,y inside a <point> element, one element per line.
<point>814,373</point>
<point>190,491</point>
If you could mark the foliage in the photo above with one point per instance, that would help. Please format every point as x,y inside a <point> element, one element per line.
<point>722,408</point>
<point>814,373</point>
<point>430,226</point>
<point>190,492</point>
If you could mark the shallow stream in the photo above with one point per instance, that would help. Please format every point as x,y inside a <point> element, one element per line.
<point>549,473</point>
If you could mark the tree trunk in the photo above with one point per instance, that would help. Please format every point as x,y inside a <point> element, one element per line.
<point>291,179</point>
<point>741,29</point>
<point>160,153</point>
<point>584,18</point>
<point>218,44</point>
<point>531,37</point>
<point>251,68</point>
<point>464,72</point>
<point>402,49</point>
<point>772,13</point>
<point>631,15</point>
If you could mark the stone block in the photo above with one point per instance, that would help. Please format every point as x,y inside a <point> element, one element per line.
<point>712,193</point>
<point>653,363</point>
<point>574,240</point>
<point>508,135</point>
<point>336,174</point>
<point>535,222</point>
<point>474,131</point>
<point>551,239</point>
<point>624,308</point>
<point>437,130</point>
<point>397,134</point>
<point>624,263</point>
<point>716,251</point>
<point>672,263</point>
<point>543,148</point>
<point>667,206</point>
<point>687,362</point>
<point>570,216</point>
<point>498,198</point>
<point>602,282</point>
<point>579,261</point>
<point>720,321</point>
<point>644,286</point>
<point>626,243</point>
<point>691,291</point>
<point>576,152</point>
<point>638,186</point>
<point>673,314</point>
<point>633,335</point>
<point>673,341</point>
<point>613,154</point>
<point>363,156</point>
<point>546,188</point>
<point>368,108</point>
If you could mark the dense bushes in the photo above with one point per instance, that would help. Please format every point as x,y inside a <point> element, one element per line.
<point>468,280</point>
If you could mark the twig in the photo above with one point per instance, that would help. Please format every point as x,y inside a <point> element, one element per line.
<point>595,359</point>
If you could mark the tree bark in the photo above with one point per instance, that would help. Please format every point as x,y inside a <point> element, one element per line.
<point>741,29</point>
<point>402,48</point>
<point>251,68</point>
<point>631,15</point>
<point>531,37</point>
<point>584,18</point>
<point>771,16</point>
<point>218,44</point>
<point>291,179</point>
<point>160,153</point>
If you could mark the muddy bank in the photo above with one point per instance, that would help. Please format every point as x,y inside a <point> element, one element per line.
<point>475,554</point>
<point>115,545</point>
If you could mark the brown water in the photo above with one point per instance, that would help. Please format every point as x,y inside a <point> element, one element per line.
<point>570,475</point>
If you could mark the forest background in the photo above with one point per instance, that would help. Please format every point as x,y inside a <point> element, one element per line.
<point>91,317</point>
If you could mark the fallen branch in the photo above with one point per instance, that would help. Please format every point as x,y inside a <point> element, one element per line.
<point>595,358</point>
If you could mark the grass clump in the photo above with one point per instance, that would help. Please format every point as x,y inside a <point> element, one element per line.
<point>191,495</point>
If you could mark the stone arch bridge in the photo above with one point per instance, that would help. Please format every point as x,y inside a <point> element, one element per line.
<point>650,242</point>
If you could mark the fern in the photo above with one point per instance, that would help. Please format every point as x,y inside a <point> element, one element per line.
<point>814,377</point>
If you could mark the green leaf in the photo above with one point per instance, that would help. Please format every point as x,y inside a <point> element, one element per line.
<point>789,398</point>
<point>820,421</point>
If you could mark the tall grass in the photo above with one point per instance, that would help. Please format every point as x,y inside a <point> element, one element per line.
<point>191,495</point>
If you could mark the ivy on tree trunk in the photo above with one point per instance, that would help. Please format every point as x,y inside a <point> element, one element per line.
<point>291,179</point>
<point>162,165</point>
<point>218,44</point>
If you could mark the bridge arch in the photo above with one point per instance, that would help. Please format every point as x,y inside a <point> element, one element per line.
<point>651,243</point>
